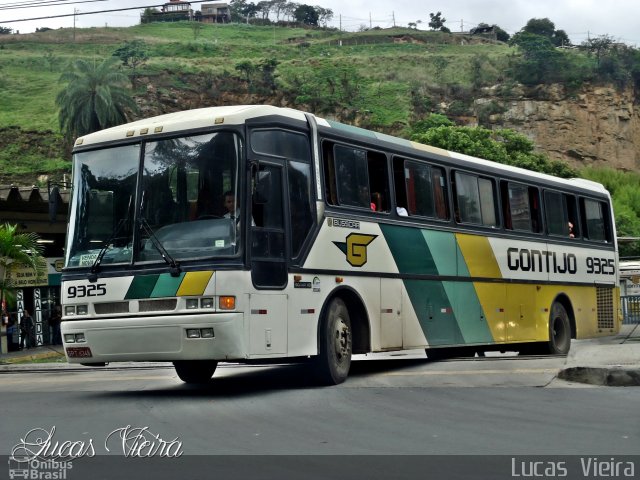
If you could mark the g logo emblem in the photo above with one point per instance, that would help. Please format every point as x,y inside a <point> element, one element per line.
<point>355,248</point>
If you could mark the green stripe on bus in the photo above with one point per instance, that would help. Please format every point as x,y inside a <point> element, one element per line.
<point>468,312</point>
<point>434,311</point>
<point>442,246</point>
<point>141,286</point>
<point>409,249</point>
<point>448,312</point>
<point>167,286</point>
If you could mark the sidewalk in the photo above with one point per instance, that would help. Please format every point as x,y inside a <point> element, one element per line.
<point>608,361</point>
<point>611,361</point>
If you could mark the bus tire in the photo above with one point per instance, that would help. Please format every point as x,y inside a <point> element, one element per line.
<point>334,358</point>
<point>195,371</point>
<point>435,354</point>
<point>559,330</point>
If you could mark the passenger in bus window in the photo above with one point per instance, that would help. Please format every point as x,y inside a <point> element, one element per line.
<point>571,233</point>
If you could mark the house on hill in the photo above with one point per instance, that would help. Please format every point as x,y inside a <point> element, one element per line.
<point>215,12</point>
<point>172,11</point>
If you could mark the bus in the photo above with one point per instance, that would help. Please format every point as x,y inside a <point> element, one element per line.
<point>266,234</point>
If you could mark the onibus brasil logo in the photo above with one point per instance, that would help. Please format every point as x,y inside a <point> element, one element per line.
<point>355,248</point>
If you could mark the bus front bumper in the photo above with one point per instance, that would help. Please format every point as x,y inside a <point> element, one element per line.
<point>153,339</point>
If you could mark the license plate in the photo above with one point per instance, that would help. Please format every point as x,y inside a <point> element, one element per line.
<point>79,352</point>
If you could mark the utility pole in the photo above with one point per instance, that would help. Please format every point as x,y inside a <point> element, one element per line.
<point>370,25</point>
<point>393,15</point>
<point>461,26</point>
<point>75,10</point>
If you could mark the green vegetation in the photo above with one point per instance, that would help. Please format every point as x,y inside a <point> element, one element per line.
<point>386,80</point>
<point>502,146</point>
<point>625,191</point>
<point>17,249</point>
<point>94,97</point>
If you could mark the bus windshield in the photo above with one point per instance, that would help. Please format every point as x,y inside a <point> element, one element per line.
<point>185,201</point>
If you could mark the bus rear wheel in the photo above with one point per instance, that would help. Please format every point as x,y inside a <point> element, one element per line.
<point>195,371</point>
<point>559,330</point>
<point>334,358</point>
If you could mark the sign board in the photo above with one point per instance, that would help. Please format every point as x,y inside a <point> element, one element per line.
<point>21,276</point>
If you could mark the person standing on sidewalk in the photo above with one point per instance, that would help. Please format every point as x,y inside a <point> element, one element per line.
<point>26,330</point>
<point>54,322</point>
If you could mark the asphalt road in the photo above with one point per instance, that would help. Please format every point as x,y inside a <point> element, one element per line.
<point>494,406</point>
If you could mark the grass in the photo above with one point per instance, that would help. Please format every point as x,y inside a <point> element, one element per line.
<point>384,67</point>
<point>53,356</point>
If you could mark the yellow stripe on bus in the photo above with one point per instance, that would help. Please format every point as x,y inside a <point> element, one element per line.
<point>478,255</point>
<point>194,283</point>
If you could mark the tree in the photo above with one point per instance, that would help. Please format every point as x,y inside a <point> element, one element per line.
<point>599,46</point>
<point>17,249</point>
<point>539,58</point>
<point>546,28</point>
<point>5,30</point>
<point>133,54</point>
<point>324,15</point>
<point>306,14</point>
<point>148,14</point>
<point>540,26</point>
<point>502,146</point>
<point>437,21</point>
<point>94,98</point>
<point>278,7</point>
<point>247,69</point>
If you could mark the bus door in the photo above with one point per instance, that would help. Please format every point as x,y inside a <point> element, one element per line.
<point>391,330</point>
<point>268,250</point>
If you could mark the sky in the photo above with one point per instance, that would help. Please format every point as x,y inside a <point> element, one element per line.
<point>581,19</point>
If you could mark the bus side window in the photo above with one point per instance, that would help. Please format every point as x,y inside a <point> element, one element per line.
<point>561,214</point>
<point>378,181</point>
<point>475,200</point>
<point>595,219</point>
<point>520,207</point>
<point>572,212</point>
<point>329,173</point>
<point>420,189</point>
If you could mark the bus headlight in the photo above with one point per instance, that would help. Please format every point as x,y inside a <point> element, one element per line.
<point>193,333</point>
<point>192,303</point>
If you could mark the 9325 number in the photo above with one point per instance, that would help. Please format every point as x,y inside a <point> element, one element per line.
<point>93,290</point>
<point>600,266</point>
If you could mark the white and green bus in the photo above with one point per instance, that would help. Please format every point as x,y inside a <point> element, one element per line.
<point>256,233</point>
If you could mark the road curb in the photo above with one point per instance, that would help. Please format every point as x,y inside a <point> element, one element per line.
<point>603,376</point>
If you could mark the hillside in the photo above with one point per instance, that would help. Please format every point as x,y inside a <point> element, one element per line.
<point>379,79</point>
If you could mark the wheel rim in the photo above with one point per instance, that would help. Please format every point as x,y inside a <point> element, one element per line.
<point>341,341</point>
<point>559,332</point>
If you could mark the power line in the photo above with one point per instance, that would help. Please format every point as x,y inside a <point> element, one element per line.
<point>43,3</point>
<point>92,13</point>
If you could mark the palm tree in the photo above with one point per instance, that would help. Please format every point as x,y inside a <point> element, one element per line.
<point>17,249</point>
<point>94,98</point>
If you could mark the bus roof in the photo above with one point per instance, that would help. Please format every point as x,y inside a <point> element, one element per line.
<point>239,114</point>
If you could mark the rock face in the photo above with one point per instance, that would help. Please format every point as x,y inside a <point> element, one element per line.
<point>596,126</point>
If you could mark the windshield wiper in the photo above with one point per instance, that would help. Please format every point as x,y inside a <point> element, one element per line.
<point>174,269</point>
<point>93,271</point>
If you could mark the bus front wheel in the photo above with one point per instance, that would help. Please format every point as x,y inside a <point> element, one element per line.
<point>195,371</point>
<point>559,330</point>
<point>334,358</point>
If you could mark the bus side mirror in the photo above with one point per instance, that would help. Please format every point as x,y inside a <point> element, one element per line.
<point>262,188</point>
